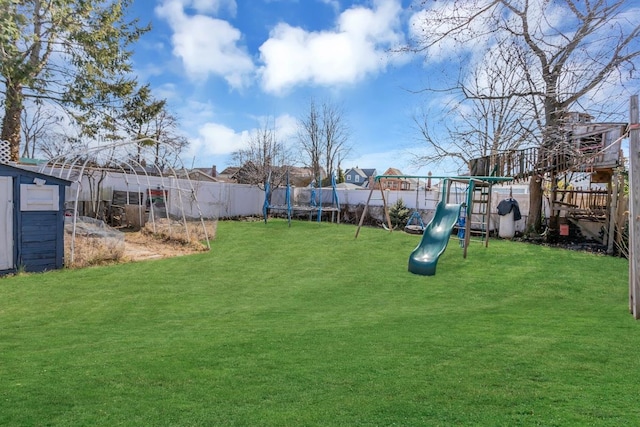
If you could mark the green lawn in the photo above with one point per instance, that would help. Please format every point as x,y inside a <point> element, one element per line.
<point>307,326</point>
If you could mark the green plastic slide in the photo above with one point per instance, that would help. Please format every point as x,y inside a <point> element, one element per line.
<point>434,241</point>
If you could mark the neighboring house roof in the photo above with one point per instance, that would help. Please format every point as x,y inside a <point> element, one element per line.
<point>393,171</point>
<point>293,170</point>
<point>365,173</point>
<point>369,172</point>
<point>228,174</point>
<point>301,172</point>
<point>301,176</point>
<point>231,170</point>
<point>209,171</point>
<point>399,183</point>
<point>196,175</point>
<point>356,176</point>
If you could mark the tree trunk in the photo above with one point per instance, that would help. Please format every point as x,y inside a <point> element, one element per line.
<point>552,135</point>
<point>11,121</point>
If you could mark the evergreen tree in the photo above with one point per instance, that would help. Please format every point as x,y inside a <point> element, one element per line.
<point>73,52</point>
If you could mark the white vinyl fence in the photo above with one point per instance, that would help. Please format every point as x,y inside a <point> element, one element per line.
<point>227,200</point>
<point>181,196</point>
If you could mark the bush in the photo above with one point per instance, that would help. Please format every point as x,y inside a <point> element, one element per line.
<point>399,214</point>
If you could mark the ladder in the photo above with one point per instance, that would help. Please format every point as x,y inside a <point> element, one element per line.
<point>480,212</point>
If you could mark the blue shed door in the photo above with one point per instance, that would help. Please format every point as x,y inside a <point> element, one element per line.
<point>6,223</point>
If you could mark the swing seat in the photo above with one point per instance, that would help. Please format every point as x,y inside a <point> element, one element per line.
<point>415,225</point>
<point>414,229</point>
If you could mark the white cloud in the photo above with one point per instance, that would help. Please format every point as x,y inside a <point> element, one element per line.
<point>207,45</point>
<point>168,91</point>
<point>335,4</point>
<point>357,47</point>
<point>286,127</point>
<point>216,139</point>
<point>212,6</point>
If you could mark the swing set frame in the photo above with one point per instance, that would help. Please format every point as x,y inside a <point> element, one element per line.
<point>472,182</point>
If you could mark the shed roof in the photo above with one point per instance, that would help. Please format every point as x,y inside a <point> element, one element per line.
<point>7,169</point>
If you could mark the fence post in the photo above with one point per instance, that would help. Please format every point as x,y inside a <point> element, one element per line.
<point>634,208</point>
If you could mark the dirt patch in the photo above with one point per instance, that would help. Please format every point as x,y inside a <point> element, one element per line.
<point>142,245</point>
<point>162,239</point>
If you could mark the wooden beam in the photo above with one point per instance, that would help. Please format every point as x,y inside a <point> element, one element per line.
<point>486,235</point>
<point>622,216</point>
<point>634,208</point>
<point>613,186</point>
<point>386,210</point>
<point>364,212</point>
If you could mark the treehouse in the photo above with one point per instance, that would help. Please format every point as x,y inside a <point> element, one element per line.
<point>579,172</point>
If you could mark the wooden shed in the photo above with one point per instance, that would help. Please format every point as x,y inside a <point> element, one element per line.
<point>31,220</point>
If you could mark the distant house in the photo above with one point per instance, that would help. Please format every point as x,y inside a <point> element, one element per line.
<point>228,174</point>
<point>390,183</point>
<point>196,174</point>
<point>360,177</point>
<point>212,171</point>
<point>298,176</point>
<point>302,177</point>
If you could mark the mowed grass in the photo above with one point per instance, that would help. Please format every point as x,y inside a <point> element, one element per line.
<point>307,326</point>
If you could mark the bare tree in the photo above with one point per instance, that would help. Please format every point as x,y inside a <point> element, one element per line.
<point>57,143</point>
<point>335,135</point>
<point>310,137</point>
<point>169,142</point>
<point>479,120</point>
<point>323,136</point>
<point>265,159</point>
<point>566,51</point>
<point>37,123</point>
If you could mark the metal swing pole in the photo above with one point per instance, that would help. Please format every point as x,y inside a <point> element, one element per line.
<point>467,224</point>
<point>288,200</point>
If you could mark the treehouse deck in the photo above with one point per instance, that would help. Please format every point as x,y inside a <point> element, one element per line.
<point>593,147</point>
<point>588,149</point>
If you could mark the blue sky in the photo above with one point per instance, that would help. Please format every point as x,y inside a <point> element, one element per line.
<point>226,65</point>
<point>223,65</point>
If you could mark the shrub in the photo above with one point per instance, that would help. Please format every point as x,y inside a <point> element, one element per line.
<point>399,214</point>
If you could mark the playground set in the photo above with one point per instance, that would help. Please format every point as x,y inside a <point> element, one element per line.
<point>585,151</point>
<point>469,214</point>
<point>315,206</point>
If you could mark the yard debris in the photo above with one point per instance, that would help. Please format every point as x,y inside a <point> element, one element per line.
<point>96,243</point>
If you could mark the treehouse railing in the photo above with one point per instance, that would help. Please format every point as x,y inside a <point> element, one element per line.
<point>520,164</point>
<point>585,199</point>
